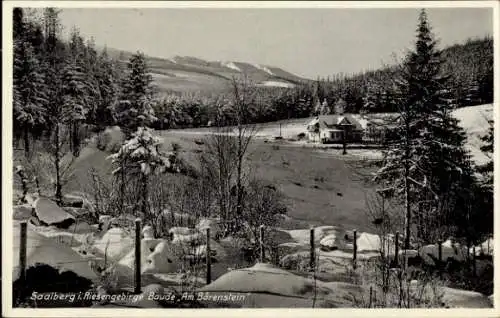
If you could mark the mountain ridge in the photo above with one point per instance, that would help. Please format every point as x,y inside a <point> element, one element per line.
<point>188,73</point>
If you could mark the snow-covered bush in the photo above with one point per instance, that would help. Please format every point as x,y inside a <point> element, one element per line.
<point>137,159</point>
<point>141,153</point>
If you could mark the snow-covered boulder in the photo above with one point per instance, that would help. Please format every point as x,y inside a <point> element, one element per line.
<point>367,242</point>
<point>43,250</point>
<point>449,250</point>
<point>329,242</point>
<point>49,213</point>
<point>260,278</point>
<point>281,288</point>
<point>485,248</point>
<point>162,260</point>
<point>115,244</point>
<point>303,236</point>
<point>148,246</point>
<point>62,237</point>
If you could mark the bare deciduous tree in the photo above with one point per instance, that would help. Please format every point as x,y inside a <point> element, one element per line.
<point>224,159</point>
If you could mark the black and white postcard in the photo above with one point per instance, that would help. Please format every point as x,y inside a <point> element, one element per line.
<point>222,155</point>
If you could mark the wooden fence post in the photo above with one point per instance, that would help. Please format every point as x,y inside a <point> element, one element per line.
<point>396,249</point>
<point>474,269</point>
<point>355,249</point>
<point>137,289</point>
<point>440,251</point>
<point>371,295</point>
<point>276,256</point>
<point>488,244</point>
<point>22,255</point>
<point>344,142</point>
<point>208,259</point>
<point>312,252</point>
<point>440,257</point>
<point>261,243</point>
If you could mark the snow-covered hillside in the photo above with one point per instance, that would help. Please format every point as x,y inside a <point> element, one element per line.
<point>474,120</point>
<point>264,68</point>
<point>231,65</point>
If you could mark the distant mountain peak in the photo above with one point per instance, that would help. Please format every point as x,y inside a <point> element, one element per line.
<point>189,60</point>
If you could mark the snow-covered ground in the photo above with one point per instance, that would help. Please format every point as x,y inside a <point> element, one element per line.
<point>263,68</point>
<point>474,120</point>
<point>276,84</point>
<point>231,65</point>
<point>83,252</point>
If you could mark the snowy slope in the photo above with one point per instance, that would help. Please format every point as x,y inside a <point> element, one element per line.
<point>264,68</point>
<point>474,120</point>
<point>231,65</point>
<point>277,84</point>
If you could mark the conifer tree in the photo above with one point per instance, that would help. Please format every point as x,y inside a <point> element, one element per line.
<point>55,56</point>
<point>134,108</point>
<point>444,159</point>
<point>28,83</point>
<point>76,94</point>
<point>107,82</point>
<point>425,158</point>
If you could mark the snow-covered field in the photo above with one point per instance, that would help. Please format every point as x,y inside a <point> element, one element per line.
<point>473,119</point>
<point>276,84</point>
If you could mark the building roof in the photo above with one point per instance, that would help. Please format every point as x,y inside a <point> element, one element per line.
<point>330,121</point>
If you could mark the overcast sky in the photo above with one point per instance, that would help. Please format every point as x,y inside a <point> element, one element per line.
<point>307,42</point>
